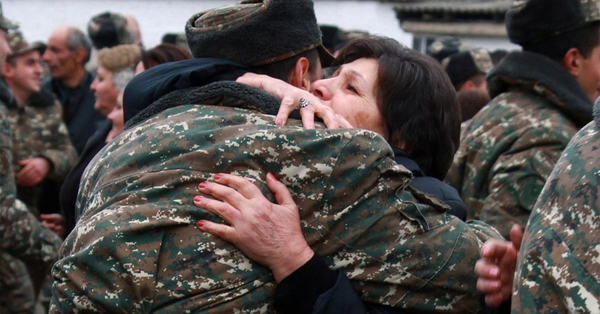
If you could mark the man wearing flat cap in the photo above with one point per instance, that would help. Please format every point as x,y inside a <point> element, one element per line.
<point>541,97</point>
<point>136,247</point>
<point>23,236</point>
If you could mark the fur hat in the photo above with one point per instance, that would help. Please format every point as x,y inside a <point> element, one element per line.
<point>119,57</point>
<point>110,29</point>
<point>530,21</point>
<point>465,64</point>
<point>256,32</point>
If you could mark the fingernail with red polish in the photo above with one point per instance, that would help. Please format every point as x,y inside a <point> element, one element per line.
<point>202,185</point>
<point>278,122</point>
<point>200,224</point>
<point>270,175</point>
<point>197,198</point>
<point>218,176</point>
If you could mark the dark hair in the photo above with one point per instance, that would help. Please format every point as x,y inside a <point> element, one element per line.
<point>416,99</point>
<point>585,39</point>
<point>498,55</point>
<point>164,53</point>
<point>471,101</point>
<point>282,69</point>
<point>76,39</point>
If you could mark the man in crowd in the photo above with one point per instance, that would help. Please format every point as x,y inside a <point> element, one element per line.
<point>542,96</point>
<point>136,214</point>
<point>22,235</point>
<point>67,52</point>
<point>467,70</point>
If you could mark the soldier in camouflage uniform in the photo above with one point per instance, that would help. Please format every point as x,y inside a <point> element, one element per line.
<point>22,235</point>
<point>559,264</point>
<point>136,247</point>
<point>542,97</point>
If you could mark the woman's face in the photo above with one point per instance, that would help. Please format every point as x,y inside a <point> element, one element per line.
<point>104,91</point>
<point>350,92</point>
<point>116,116</point>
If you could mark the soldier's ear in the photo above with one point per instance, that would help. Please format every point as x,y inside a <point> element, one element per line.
<point>573,61</point>
<point>8,71</point>
<point>300,77</point>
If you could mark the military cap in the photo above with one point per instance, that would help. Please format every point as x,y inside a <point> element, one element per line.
<point>530,21</point>
<point>443,47</point>
<point>256,32</point>
<point>19,46</point>
<point>110,29</point>
<point>6,24</point>
<point>465,64</point>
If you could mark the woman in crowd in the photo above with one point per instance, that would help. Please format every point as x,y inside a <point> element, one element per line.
<point>397,92</point>
<point>160,54</point>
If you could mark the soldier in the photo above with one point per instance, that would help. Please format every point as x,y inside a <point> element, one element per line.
<point>22,235</point>
<point>136,246</point>
<point>68,51</point>
<point>542,96</point>
<point>467,71</point>
<point>41,145</point>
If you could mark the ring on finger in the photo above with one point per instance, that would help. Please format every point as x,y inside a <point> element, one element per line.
<point>304,103</point>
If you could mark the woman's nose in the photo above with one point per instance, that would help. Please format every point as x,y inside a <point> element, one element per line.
<point>322,89</point>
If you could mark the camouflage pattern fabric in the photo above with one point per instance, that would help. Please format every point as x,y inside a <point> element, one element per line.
<point>559,262</point>
<point>38,131</point>
<point>136,247</point>
<point>17,294</point>
<point>510,147</point>
<point>23,236</point>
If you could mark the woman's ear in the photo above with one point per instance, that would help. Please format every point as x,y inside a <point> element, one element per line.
<point>300,77</point>
<point>573,61</point>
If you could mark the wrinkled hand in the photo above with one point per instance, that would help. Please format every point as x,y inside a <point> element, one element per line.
<point>496,269</point>
<point>290,98</point>
<point>54,222</point>
<point>268,233</point>
<point>34,171</point>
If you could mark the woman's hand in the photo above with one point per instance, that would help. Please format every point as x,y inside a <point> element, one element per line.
<point>268,233</point>
<point>496,268</point>
<point>290,98</point>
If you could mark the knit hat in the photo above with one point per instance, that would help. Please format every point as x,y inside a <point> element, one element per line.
<point>110,29</point>
<point>256,32</point>
<point>6,24</point>
<point>530,21</point>
<point>465,64</point>
<point>19,46</point>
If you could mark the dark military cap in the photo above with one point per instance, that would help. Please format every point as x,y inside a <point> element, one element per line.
<point>256,32</point>
<point>19,46</point>
<point>530,21</point>
<point>465,64</point>
<point>110,29</point>
<point>6,24</point>
<point>443,47</point>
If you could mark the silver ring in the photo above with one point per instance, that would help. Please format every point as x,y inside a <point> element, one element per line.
<point>304,102</point>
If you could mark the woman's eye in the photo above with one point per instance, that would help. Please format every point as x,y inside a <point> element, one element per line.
<point>352,89</point>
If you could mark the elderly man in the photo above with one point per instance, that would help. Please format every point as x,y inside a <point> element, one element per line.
<point>67,52</point>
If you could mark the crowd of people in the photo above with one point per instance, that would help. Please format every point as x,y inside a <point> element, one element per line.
<point>246,169</point>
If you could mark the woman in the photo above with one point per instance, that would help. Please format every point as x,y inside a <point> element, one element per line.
<point>397,92</point>
<point>160,54</point>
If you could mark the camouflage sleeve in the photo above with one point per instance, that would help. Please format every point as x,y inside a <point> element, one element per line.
<point>61,152</point>
<point>516,180</point>
<point>23,236</point>
<point>559,262</point>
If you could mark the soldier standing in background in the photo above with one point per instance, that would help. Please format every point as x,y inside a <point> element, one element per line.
<point>22,235</point>
<point>542,96</point>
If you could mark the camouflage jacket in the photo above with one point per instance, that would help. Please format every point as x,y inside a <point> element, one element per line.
<point>38,131</point>
<point>510,147</point>
<point>559,262</point>
<point>136,248</point>
<point>23,236</point>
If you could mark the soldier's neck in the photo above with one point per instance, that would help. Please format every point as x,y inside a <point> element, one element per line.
<point>21,96</point>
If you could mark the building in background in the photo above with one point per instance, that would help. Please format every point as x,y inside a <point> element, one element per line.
<point>479,22</point>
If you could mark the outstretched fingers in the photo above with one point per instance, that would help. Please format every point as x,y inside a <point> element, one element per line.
<point>219,208</point>
<point>224,232</point>
<point>282,194</point>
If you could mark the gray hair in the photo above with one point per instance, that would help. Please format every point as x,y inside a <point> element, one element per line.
<point>121,78</point>
<point>76,39</point>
